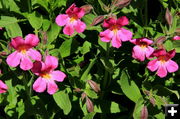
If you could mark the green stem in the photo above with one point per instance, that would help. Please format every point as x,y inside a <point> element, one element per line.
<point>146,17</point>
<point>29,6</point>
<point>25,82</point>
<point>105,82</point>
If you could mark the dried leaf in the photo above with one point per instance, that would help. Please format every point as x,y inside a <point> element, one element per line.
<point>168,17</point>
<point>144,113</point>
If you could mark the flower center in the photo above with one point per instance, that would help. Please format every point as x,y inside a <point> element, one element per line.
<point>22,49</point>
<point>73,18</point>
<point>143,45</point>
<point>45,75</point>
<point>162,58</point>
<point>115,29</point>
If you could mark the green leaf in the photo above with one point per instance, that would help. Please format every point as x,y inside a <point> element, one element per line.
<point>129,87</point>
<point>7,20</point>
<point>107,64</point>
<point>115,107</point>
<point>53,32</point>
<point>66,48</point>
<point>91,94</point>
<point>176,45</point>
<point>168,45</point>
<point>35,19</point>
<point>62,100</point>
<point>86,47</point>
<point>138,107</point>
<point>89,115</point>
<point>88,19</point>
<point>42,3</point>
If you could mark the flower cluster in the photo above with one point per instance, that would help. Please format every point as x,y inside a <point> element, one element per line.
<point>24,55</point>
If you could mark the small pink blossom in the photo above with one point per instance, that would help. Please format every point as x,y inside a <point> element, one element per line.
<point>1,28</point>
<point>163,63</point>
<point>24,52</point>
<point>71,20</point>
<point>142,49</point>
<point>176,38</point>
<point>47,75</point>
<point>115,33</point>
<point>3,87</point>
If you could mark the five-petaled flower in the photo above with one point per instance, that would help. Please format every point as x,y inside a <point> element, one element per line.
<point>3,87</point>
<point>71,20</point>
<point>163,63</point>
<point>142,48</point>
<point>115,32</point>
<point>24,52</point>
<point>47,75</point>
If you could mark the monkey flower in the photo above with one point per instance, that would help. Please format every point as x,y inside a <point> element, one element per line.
<point>71,20</point>
<point>115,33</point>
<point>3,87</point>
<point>163,63</point>
<point>142,48</point>
<point>47,75</point>
<point>24,52</point>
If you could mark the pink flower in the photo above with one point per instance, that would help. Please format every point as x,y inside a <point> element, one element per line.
<point>71,20</point>
<point>47,75</point>
<point>176,38</point>
<point>3,87</point>
<point>142,48</point>
<point>163,63</point>
<point>1,28</point>
<point>24,52</point>
<point>115,32</point>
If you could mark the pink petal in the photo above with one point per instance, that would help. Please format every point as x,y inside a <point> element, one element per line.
<point>62,19</point>
<point>133,41</point>
<point>37,67</point>
<point>106,35</point>
<point>51,62</point>
<point>16,42</point>
<point>149,51</point>
<point>58,76</point>
<point>176,38</point>
<point>123,21</point>
<point>68,30</point>
<point>31,40</point>
<point>162,71</point>
<point>3,87</point>
<point>171,53</point>
<point>109,22</point>
<point>35,55</point>
<point>172,66</point>
<point>124,34</point>
<point>138,53</point>
<point>39,85</point>
<point>13,59</point>
<point>70,9</point>
<point>26,63</point>
<point>116,42</point>
<point>153,65</point>
<point>52,87</point>
<point>80,13</point>
<point>149,42</point>
<point>80,26</point>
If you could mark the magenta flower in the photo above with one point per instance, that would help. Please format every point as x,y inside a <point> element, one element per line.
<point>142,48</point>
<point>24,52</point>
<point>163,63</point>
<point>3,87</point>
<point>115,32</point>
<point>176,38</point>
<point>71,20</point>
<point>47,75</point>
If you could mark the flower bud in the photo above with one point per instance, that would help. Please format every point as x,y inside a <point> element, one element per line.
<point>77,90</point>
<point>97,20</point>
<point>152,100</point>
<point>94,85</point>
<point>122,3</point>
<point>168,17</point>
<point>144,113</point>
<point>83,95</point>
<point>89,105</point>
<point>3,53</point>
<point>87,8</point>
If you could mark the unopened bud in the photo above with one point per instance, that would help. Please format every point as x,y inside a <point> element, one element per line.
<point>152,100</point>
<point>94,85</point>
<point>144,113</point>
<point>77,90</point>
<point>97,20</point>
<point>87,8</point>
<point>159,42</point>
<point>3,53</point>
<point>83,95</point>
<point>168,17</point>
<point>89,105</point>
<point>122,3</point>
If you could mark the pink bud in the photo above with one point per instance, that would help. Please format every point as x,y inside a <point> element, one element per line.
<point>122,3</point>
<point>3,53</point>
<point>176,38</point>
<point>77,90</point>
<point>152,100</point>
<point>87,8</point>
<point>168,17</point>
<point>83,95</point>
<point>94,85</point>
<point>97,20</point>
<point>144,113</point>
<point>89,105</point>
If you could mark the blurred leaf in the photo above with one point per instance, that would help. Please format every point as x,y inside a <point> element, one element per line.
<point>176,45</point>
<point>66,48</point>
<point>35,19</point>
<point>62,100</point>
<point>53,32</point>
<point>88,19</point>
<point>89,115</point>
<point>7,20</point>
<point>42,3</point>
<point>138,107</point>
<point>107,64</point>
<point>168,45</point>
<point>20,109</point>
<point>129,87</point>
